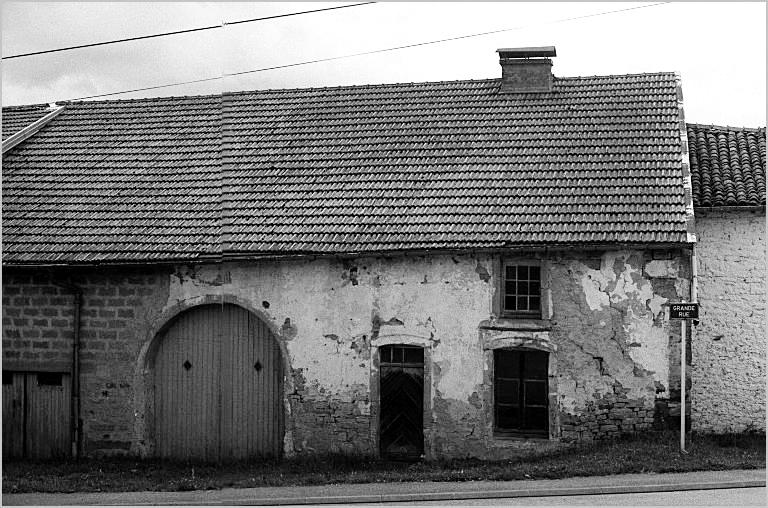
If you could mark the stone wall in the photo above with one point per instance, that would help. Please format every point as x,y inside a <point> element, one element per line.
<point>728,372</point>
<point>116,306</point>
<point>603,325</point>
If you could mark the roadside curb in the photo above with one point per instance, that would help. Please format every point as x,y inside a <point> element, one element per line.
<point>502,493</point>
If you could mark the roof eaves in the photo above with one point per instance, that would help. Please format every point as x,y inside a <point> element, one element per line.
<point>30,130</point>
<point>690,221</point>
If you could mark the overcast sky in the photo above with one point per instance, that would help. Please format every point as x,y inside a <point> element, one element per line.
<point>717,47</point>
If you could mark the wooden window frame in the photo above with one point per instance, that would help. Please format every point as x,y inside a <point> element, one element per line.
<point>521,431</point>
<point>517,314</point>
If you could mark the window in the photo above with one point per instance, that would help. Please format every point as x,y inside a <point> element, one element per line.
<point>49,379</point>
<point>521,392</point>
<point>521,290</point>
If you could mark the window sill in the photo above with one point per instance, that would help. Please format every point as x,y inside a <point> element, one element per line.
<point>516,324</point>
<point>514,436</point>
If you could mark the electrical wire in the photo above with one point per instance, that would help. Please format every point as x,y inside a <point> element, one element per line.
<point>223,24</point>
<point>576,18</point>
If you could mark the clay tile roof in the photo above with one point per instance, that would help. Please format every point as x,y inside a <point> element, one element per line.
<point>727,165</point>
<point>446,165</point>
<point>15,118</point>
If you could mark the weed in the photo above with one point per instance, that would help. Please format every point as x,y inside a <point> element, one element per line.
<point>654,452</point>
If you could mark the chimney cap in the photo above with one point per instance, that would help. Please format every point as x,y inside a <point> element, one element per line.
<point>526,52</point>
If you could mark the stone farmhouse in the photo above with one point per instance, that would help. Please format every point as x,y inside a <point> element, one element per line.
<point>435,270</point>
<point>728,344</point>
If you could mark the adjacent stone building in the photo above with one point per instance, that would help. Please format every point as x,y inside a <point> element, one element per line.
<point>429,269</point>
<point>728,346</point>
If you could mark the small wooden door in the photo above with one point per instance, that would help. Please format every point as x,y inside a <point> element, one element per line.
<point>218,387</point>
<point>401,370</point>
<point>13,414</point>
<point>36,415</point>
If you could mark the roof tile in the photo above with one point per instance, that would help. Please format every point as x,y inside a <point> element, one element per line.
<point>727,165</point>
<point>446,165</point>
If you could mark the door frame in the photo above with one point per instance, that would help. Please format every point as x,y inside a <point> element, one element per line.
<point>375,389</point>
<point>144,392</point>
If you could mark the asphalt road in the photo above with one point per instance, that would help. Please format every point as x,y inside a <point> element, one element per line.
<point>755,496</point>
<point>701,488</point>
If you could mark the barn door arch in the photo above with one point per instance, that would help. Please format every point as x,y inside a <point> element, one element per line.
<point>217,379</point>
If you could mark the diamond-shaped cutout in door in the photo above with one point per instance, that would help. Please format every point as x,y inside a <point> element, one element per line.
<point>187,365</point>
<point>257,366</point>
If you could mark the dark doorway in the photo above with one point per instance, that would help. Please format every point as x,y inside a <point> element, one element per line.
<point>401,370</point>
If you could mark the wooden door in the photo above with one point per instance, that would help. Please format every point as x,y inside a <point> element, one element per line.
<point>401,369</point>
<point>36,415</point>
<point>186,387</point>
<point>251,388</point>
<point>218,387</point>
<point>13,415</point>
<point>48,406</point>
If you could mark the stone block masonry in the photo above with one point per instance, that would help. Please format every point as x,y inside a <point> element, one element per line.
<point>38,332</point>
<point>729,343</point>
<point>37,324</point>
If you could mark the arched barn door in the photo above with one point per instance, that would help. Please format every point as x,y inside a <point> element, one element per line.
<point>218,387</point>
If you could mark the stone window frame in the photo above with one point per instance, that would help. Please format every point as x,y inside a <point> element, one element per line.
<point>538,341</point>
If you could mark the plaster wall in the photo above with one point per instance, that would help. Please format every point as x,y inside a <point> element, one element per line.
<point>603,325</point>
<point>728,371</point>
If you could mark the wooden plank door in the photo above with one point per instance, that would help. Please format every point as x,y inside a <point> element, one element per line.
<point>48,415</point>
<point>13,415</point>
<point>251,388</point>
<point>401,369</point>
<point>187,394</point>
<point>218,387</point>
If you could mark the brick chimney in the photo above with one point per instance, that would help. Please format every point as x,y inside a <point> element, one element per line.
<point>526,69</point>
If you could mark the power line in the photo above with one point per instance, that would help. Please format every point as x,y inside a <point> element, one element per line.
<point>576,18</point>
<point>183,31</point>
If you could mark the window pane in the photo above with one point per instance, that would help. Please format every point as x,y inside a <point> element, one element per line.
<point>522,288</point>
<point>509,303</point>
<point>507,417</point>
<point>536,418</point>
<point>536,393</point>
<point>507,391</point>
<point>535,273</point>
<point>506,364</point>
<point>509,288</point>
<point>534,288</point>
<point>522,272</point>
<point>536,365</point>
<point>414,355</point>
<point>522,303</point>
<point>511,272</point>
<point>534,303</point>
<point>49,379</point>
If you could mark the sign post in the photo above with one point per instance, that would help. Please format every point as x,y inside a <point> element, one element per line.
<point>683,311</point>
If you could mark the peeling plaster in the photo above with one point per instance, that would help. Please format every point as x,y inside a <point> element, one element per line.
<point>619,285</point>
<point>332,314</point>
<point>663,268</point>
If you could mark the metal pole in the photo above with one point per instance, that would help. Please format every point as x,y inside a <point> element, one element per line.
<point>683,323</point>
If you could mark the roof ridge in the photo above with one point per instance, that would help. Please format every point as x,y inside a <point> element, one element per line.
<point>725,127</point>
<point>28,106</point>
<point>629,75</point>
<point>341,87</point>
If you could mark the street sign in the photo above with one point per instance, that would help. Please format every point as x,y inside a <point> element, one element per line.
<point>684,310</point>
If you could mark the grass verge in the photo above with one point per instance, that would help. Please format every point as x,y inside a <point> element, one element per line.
<point>656,452</point>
